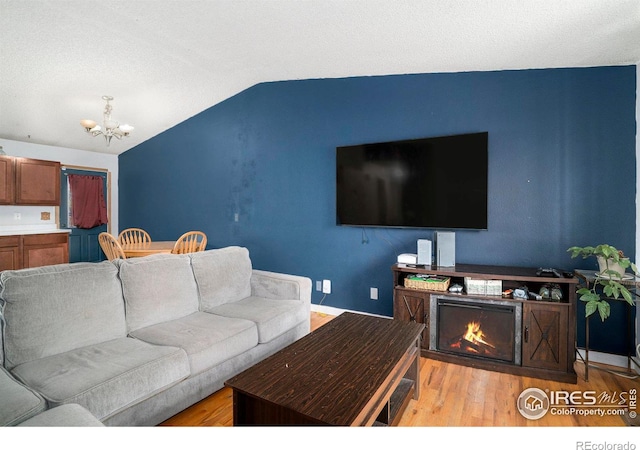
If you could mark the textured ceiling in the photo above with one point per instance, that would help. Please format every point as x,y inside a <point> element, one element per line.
<point>166,60</point>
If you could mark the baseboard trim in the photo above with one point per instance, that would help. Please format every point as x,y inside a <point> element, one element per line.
<point>606,358</point>
<point>332,311</point>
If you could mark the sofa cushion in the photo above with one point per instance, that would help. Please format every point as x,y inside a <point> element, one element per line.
<point>156,280</point>
<point>55,309</point>
<point>223,275</point>
<point>71,415</point>
<point>18,401</point>
<point>207,338</point>
<point>105,378</point>
<point>272,317</point>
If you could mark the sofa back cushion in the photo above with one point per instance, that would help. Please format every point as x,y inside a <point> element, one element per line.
<point>223,275</point>
<point>157,289</point>
<point>53,309</point>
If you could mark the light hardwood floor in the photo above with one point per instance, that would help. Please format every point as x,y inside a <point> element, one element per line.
<point>456,396</point>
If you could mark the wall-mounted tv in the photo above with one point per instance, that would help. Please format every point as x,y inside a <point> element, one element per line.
<point>437,182</point>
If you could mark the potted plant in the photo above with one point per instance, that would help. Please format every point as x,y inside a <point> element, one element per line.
<point>608,281</point>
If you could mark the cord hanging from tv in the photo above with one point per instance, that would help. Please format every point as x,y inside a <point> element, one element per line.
<point>437,182</point>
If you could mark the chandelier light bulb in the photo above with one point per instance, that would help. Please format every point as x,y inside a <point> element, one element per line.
<point>126,129</point>
<point>88,124</point>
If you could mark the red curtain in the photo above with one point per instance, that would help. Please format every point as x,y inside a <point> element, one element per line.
<point>87,200</point>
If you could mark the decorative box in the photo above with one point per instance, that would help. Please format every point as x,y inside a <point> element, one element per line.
<point>482,287</point>
<point>427,282</point>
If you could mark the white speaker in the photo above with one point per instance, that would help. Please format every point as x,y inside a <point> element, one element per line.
<point>425,255</point>
<point>445,248</point>
<point>408,258</point>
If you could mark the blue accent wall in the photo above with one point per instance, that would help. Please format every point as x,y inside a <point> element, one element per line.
<point>561,171</point>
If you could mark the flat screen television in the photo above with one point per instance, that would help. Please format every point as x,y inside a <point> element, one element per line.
<point>437,182</point>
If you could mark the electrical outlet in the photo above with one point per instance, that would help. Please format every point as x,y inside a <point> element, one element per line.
<point>17,216</point>
<point>326,286</point>
<point>45,215</point>
<point>373,292</point>
<point>318,286</point>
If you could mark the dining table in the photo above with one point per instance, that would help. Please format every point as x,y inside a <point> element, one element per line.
<point>147,248</point>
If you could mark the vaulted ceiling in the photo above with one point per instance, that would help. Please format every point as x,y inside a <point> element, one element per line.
<point>164,61</point>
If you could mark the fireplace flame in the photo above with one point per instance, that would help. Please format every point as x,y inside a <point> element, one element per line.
<point>475,335</point>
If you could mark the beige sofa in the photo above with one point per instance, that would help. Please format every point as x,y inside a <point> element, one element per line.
<point>136,341</point>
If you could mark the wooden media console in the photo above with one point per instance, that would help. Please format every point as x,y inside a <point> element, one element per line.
<point>543,330</point>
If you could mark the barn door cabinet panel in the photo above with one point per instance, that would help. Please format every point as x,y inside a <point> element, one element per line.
<point>410,305</point>
<point>544,336</point>
<point>37,182</point>
<point>10,252</point>
<point>7,180</point>
<point>45,249</point>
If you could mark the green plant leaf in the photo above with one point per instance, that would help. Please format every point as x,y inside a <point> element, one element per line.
<point>575,251</point>
<point>590,307</point>
<point>590,296</point>
<point>604,309</point>
<point>627,295</point>
<point>624,263</point>
<point>610,291</point>
<point>585,252</point>
<point>608,251</point>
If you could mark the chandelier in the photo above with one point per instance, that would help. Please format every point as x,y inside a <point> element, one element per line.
<point>110,127</point>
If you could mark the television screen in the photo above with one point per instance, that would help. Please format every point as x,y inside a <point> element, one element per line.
<point>437,182</point>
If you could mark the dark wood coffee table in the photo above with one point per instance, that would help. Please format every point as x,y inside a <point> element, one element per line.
<point>354,370</point>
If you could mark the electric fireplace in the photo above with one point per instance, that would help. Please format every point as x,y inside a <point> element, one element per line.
<point>476,328</point>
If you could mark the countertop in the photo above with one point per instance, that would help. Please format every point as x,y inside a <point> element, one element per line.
<point>14,232</point>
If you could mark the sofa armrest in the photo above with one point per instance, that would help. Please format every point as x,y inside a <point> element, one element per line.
<point>275,285</point>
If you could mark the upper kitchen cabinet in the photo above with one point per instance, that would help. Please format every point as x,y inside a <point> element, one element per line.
<point>7,181</point>
<point>29,181</point>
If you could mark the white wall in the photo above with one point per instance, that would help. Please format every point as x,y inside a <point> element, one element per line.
<point>66,156</point>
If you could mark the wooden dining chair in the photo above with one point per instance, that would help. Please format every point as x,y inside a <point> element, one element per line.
<point>111,247</point>
<point>130,236</point>
<point>191,241</point>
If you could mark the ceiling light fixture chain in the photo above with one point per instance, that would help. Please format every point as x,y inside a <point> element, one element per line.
<point>111,127</point>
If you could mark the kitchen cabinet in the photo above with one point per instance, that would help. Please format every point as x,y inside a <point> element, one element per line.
<point>33,250</point>
<point>7,180</point>
<point>10,252</point>
<point>29,181</point>
<point>45,249</point>
<point>37,182</point>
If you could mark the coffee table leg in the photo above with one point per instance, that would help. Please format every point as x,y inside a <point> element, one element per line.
<point>415,371</point>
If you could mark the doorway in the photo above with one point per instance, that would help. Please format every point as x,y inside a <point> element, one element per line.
<point>83,243</point>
